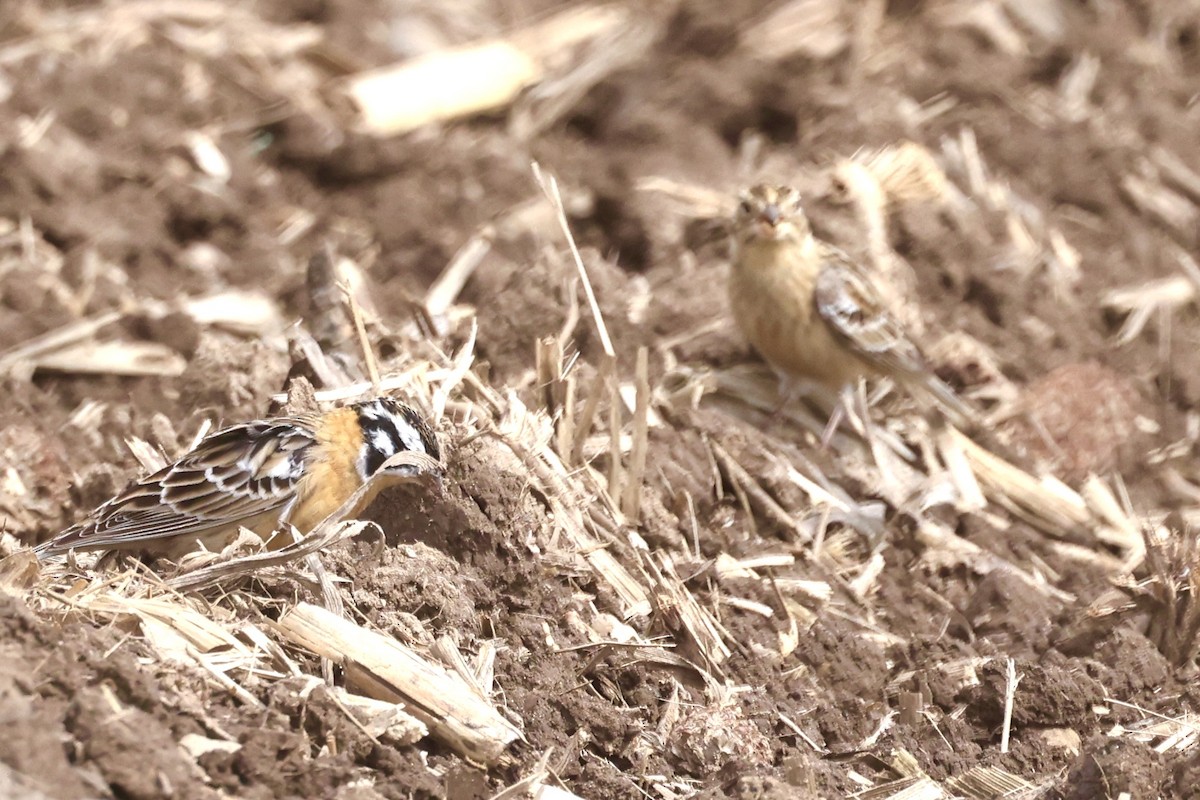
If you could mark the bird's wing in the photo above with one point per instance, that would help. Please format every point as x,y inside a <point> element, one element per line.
<point>855,312</point>
<point>234,474</point>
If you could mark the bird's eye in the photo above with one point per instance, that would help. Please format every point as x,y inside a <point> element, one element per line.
<point>745,207</point>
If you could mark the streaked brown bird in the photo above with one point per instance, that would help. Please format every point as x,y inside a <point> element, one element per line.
<point>296,470</point>
<point>812,313</point>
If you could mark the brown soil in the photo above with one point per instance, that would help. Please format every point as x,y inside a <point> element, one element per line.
<point>107,202</point>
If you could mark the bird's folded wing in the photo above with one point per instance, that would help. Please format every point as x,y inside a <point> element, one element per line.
<point>234,474</point>
<point>855,312</point>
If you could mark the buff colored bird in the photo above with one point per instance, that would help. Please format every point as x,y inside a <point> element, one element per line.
<point>809,310</point>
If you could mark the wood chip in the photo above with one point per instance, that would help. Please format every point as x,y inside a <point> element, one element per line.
<point>388,670</point>
<point>477,77</point>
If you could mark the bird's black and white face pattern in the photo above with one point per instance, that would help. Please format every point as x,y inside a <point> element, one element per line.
<point>770,213</point>
<point>389,427</point>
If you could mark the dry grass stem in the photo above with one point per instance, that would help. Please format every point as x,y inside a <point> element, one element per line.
<point>327,371</point>
<point>813,28</point>
<point>912,705</point>
<point>535,785</point>
<point>970,495</point>
<point>549,187</point>
<point>1049,504</point>
<point>448,653</point>
<point>352,391</point>
<point>990,782</point>
<point>360,328</point>
<point>755,495</point>
<point>566,501</point>
<point>57,339</point>
<point>565,432</point>
<point>1163,205</point>
<point>444,291</point>
<point>130,359</point>
<point>73,348</point>
<point>616,472</point>
<point>449,380</point>
<point>1010,692</point>
<point>693,200</point>
<point>752,606</point>
<point>548,363</point>
<point>682,612</point>
<point>632,497</point>
<point>1170,592</point>
<point>583,426</point>
<point>557,95</point>
<point>1176,171</point>
<point>378,720</point>
<point>1119,528</point>
<point>245,313</point>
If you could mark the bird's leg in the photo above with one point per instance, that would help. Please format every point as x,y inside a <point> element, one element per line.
<point>837,416</point>
<point>862,410</point>
<point>851,407</point>
<point>791,390</point>
<point>832,426</point>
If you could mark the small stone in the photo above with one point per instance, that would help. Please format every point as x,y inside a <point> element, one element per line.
<point>1057,739</point>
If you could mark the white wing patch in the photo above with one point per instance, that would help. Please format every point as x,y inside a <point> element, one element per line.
<point>286,469</point>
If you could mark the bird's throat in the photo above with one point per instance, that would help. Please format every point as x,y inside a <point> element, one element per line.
<point>768,255</point>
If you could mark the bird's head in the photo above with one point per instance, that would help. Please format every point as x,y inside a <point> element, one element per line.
<point>770,213</point>
<point>390,428</point>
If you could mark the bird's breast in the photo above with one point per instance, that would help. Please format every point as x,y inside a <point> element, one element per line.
<point>772,301</point>
<point>772,304</point>
<point>331,475</point>
<point>324,489</point>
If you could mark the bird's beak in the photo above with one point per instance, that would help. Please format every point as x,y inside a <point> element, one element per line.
<point>768,221</point>
<point>407,466</point>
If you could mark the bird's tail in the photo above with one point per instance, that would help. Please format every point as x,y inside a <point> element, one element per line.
<point>58,545</point>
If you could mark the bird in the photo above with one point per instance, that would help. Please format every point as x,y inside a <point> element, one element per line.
<point>812,313</point>
<point>260,475</point>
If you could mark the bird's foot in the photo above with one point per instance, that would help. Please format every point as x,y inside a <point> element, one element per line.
<point>791,390</point>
